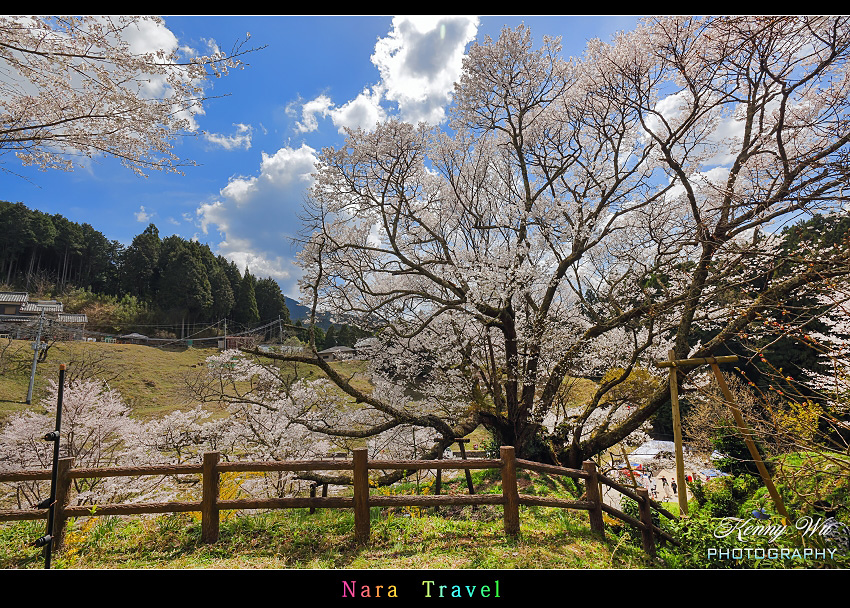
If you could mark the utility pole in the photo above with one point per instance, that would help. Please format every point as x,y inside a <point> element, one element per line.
<point>46,541</point>
<point>36,349</point>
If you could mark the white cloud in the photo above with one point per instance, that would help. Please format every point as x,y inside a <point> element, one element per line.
<point>257,216</point>
<point>240,140</point>
<point>143,216</point>
<point>364,111</point>
<point>419,62</point>
<point>321,105</point>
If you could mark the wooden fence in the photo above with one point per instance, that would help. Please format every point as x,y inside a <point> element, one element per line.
<point>211,504</point>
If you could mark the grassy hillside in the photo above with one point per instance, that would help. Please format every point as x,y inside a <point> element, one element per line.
<point>151,380</point>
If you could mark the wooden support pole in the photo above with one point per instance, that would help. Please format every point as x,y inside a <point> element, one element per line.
<point>438,484</point>
<point>63,496</point>
<point>469,485</point>
<point>209,500</point>
<point>510,491</point>
<point>361,495</point>
<point>677,434</point>
<point>748,439</point>
<point>697,361</point>
<point>313,495</point>
<point>647,535</point>
<point>629,467</point>
<point>597,524</point>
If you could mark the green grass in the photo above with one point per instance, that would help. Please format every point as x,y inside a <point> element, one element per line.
<point>549,538</point>
<point>151,380</point>
<point>401,538</point>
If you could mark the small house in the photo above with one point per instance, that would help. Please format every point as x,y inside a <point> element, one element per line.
<point>11,302</point>
<point>74,325</point>
<point>337,353</point>
<point>133,338</point>
<point>236,342</point>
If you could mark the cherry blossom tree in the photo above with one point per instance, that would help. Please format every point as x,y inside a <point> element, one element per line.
<point>97,431</point>
<point>579,216</point>
<point>94,85</point>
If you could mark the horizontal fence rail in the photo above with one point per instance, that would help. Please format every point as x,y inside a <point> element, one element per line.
<point>211,504</point>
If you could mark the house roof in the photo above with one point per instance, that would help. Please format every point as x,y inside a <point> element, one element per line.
<point>13,297</point>
<point>65,317</point>
<point>134,336</point>
<point>18,318</point>
<point>337,349</point>
<point>42,305</point>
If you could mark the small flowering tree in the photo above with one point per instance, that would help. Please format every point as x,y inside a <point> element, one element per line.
<point>97,431</point>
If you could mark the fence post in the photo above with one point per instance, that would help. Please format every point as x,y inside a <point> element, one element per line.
<point>509,490</point>
<point>361,495</point>
<point>312,495</point>
<point>209,501</point>
<point>469,485</point>
<point>63,495</point>
<point>597,524</point>
<point>438,484</point>
<point>647,535</point>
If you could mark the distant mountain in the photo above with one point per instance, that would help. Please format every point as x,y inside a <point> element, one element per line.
<point>296,310</point>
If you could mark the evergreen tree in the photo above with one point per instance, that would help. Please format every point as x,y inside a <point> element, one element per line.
<point>184,286</point>
<point>141,265</point>
<point>68,246</point>
<point>345,337</point>
<point>16,236</point>
<point>271,303</point>
<point>222,293</point>
<point>330,337</point>
<point>231,271</point>
<point>245,311</point>
<point>44,234</point>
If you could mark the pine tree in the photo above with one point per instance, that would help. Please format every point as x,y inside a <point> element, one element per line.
<point>330,337</point>
<point>270,301</point>
<point>141,264</point>
<point>245,311</point>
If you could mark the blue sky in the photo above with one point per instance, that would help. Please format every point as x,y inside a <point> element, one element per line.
<point>256,143</point>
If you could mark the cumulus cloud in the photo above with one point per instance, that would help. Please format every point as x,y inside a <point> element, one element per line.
<point>419,62</point>
<point>257,215</point>
<point>143,216</point>
<point>240,140</point>
<point>321,105</point>
<point>364,111</point>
